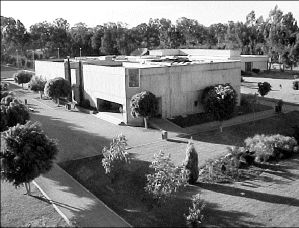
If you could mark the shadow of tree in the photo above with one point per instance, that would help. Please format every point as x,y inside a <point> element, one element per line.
<point>264,197</point>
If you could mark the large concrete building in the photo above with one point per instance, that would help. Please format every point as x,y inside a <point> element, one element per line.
<point>176,77</point>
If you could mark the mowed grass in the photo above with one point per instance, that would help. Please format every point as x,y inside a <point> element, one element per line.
<point>20,210</point>
<point>127,195</point>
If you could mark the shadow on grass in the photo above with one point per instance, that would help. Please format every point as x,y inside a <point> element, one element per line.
<point>264,197</point>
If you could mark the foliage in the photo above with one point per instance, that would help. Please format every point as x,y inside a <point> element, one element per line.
<point>191,163</point>
<point>143,104</point>
<point>195,216</point>
<point>6,93</point>
<point>296,85</point>
<point>254,70</point>
<point>37,84</point>
<point>115,157</point>
<point>57,87</point>
<point>296,133</point>
<point>26,154</point>
<point>22,77</point>
<point>12,112</point>
<point>166,179</point>
<point>270,147</point>
<point>264,88</point>
<point>4,86</point>
<point>220,101</point>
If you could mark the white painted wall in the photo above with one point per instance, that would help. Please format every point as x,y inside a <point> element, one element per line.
<point>107,83</point>
<point>49,70</point>
<point>180,86</point>
<point>258,61</point>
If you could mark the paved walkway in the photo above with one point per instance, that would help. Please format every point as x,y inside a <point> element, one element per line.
<point>80,207</point>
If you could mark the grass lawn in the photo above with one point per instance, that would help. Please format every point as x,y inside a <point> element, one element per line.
<point>201,118</point>
<point>127,196</point>
<point>20,210</point>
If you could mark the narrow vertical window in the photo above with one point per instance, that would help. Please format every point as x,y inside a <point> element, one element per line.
<point>134,77</point>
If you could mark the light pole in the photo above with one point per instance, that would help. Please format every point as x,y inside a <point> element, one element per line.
<point>58,53</point>
<point>80,52</point>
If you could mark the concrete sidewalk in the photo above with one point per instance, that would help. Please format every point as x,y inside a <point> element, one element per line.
<point>75,202</point>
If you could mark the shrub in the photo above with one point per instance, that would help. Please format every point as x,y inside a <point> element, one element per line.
<point>296,85</point>
<point>57,87</point>
<point>191,163</point>
<point>143,104</point>
<point>6,93</point>
<point>264,88</point>
<point>243,73</point>
<point>254,70</point>
<point>22,77</point>
<point>220,101</point>
<point>4,86</point>
<point>271,147</point>
<point>115,157</point>
<point>37,84</point>
<point>26,154</point>
<point>13,114</point>
<point>296,133</point>
<point>195,216</point>
<point>166,179</point>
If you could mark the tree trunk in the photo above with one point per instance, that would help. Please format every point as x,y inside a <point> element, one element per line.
<point>41,94</point>
<point>22,86</point>
<point>221,126</point>
<point>145,122</point>
<point>28,189</point>
<point>57,101</point>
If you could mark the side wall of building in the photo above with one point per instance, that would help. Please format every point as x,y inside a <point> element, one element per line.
<point>258,62</point>
<point>180,87</point>
<point>107,83</point>
<point>49,70</point>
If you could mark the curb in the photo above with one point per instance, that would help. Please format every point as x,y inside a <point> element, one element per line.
<point>55,207</point>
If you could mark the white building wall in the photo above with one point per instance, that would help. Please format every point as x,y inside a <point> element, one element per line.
<point>180,86</point>
<point>258,61</point>
<point>106,83</point>
<point>49,70</point>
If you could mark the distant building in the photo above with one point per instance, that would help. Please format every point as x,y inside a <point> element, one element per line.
<point>176,76</point>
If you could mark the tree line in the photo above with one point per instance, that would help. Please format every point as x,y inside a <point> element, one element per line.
<point>276,36</point>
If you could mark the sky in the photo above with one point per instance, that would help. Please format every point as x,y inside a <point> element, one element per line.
<point>132,13</point>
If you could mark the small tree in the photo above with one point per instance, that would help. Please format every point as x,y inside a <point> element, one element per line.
<point>115,157</point>
<point>143,104</point>
<point>22,77</point>
<point>264,88</point>
<point>27,152</point>
<point>191,163</point>
<point>57,87</point>
<point>166,179</point>
<point>13,113</point>
<point>220,101</point>
<point>195,216</point>
<point>37,84</point>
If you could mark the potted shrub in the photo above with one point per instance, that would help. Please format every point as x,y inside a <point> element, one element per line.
<point>37,84</point>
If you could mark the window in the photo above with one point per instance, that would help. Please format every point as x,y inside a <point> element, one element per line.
<point>134,77</point>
